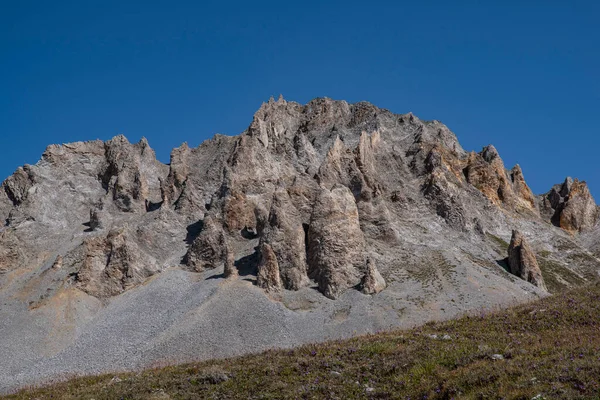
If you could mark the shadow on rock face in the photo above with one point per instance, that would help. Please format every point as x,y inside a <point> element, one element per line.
<point>504,264</point>
<point>88,227</point>
<point>152,206</point>
<point>247,267</point>
<point>193,230</point>
<point>249,233</point>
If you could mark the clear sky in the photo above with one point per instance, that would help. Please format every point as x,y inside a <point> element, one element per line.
<point>522,75</point>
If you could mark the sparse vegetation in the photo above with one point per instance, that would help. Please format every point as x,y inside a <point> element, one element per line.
<point>501,243</point>
<point>557,277</point>
<point>547,349</point>
<point>432,270</point>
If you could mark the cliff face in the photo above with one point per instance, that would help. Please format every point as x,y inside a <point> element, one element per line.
<point>337,197</point>
<point>325,185</point>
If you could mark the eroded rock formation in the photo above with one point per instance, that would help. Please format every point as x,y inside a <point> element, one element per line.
<point>312,187</point>
<point>336,245</point>
<point>229,270</point>
<point>486,171</point>
<point>522,261</point>
<point>268,276</point>
<point>208,250</point>
<point>372,282</point>
<point>111,264</point>
<point>131,174</point>
<point>571,206</point>
<point>285,235</point>
<point>309,196</point>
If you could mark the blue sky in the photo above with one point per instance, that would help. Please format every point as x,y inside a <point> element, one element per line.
<point>523,75</point>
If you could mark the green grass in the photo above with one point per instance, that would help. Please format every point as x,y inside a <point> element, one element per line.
<point>549,348</point>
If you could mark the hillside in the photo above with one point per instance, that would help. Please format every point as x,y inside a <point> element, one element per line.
<point>321,221</point>
<point>545,349</point>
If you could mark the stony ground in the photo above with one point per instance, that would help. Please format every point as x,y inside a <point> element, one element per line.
<point>543,350</point>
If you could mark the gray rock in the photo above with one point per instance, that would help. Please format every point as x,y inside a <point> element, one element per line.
<point>372,282</point>
<point>336,245</point>
<point>208,249</point>
<point>522,261</point>
<point>285,235</point>
<point>131,174</point>
<point>268,276</point>
<point>96,218</point>
<point>297,201</point>
<point>17,186</point>
<point>229,270</point>
<point>112,264</point>
<point>570,206</point>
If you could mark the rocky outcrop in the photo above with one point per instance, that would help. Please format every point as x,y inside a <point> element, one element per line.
<point>325,195</point>
<point>309,185</point>
<point>571,206</point>
<point>17,186</point>
<point>353,168</point>
<point>229,270</point>
<point>487,173</point>
<point>372,282</point>
<point>521,189</point>
<point>208,249</point>
<point>131,174</point>
<point>172,187</point>
<point>268,276</point>
<point>12,255</point>
<point>239,212</point>
<point>285,235</point>
<point>112,264</point>
<point>336,243</point>
<point>442,191</point>
<point>522,261</point>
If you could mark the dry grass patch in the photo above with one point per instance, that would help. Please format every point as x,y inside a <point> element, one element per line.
<point>547,349</point>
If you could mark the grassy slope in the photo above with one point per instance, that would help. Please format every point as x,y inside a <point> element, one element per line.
<point>550,347</point>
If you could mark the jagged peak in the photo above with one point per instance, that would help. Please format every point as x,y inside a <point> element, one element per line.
<point>566,186</point>
<point>78,147</point>
<point>489,153</point>
<point>182,147</point>
<point>118,140</point>
<point>144,142</point>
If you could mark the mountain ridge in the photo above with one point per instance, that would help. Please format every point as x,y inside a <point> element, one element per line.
<point>319,221</point>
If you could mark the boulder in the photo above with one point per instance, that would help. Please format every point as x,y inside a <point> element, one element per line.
<point>372,282</point>
<point>522,261</point>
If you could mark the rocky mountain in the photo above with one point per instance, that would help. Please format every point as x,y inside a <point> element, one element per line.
<point>319,221</point>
